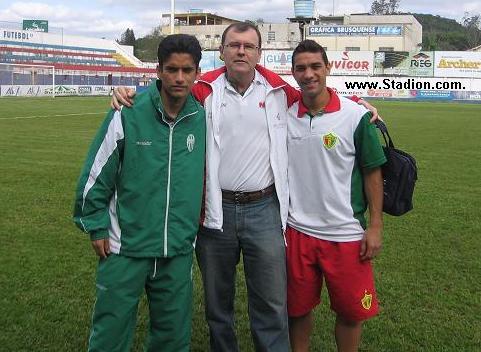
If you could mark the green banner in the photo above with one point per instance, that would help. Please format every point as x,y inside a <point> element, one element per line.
<point>35,25</point>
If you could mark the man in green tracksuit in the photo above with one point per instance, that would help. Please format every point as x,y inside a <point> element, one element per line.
<point>139,198</point>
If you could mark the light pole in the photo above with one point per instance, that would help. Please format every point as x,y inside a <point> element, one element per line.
<point>172,11</point>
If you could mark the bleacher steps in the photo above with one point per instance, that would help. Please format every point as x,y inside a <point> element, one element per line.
<point>121,59</point>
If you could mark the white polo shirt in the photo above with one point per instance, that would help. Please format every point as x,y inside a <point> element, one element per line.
<point>327,154</point>
<point>244,150</point>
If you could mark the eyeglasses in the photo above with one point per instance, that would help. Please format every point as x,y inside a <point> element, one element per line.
<point>250,48</point>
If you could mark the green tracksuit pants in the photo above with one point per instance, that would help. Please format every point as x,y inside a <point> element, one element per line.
<point>120,284</point>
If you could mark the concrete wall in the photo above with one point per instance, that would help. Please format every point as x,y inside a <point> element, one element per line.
<point>287,35</point>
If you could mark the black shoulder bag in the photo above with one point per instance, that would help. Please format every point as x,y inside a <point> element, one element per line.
<point>399,173</point>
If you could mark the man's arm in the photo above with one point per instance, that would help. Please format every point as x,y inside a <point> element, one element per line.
<point>96,184</point>
<point>372,109</point>
<point>122,96</point>
<point>125,96</point>
<point>370,156</point>
<point>372,240</point>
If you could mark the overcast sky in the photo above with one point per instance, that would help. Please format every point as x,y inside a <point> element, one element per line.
<point>109,18</point>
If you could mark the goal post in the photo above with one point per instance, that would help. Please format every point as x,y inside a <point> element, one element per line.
<point>27,80</point>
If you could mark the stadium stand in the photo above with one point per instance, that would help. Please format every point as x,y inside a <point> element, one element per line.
<point>76,60</point>
<point>64,56</point>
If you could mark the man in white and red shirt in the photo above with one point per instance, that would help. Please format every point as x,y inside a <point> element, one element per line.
<point>334,175</point>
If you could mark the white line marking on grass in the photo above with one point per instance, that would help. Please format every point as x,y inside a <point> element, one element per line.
<point>60,115</point>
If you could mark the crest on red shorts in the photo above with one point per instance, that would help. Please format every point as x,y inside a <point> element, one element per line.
<point>366,301</point>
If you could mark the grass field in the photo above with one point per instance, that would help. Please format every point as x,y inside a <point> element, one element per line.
<point>428,276</point>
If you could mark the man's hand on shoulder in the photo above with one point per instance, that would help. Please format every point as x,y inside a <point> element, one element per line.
<point>372,109</point>
<point>122,96</point>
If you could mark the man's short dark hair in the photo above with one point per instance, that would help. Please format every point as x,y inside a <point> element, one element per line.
<point>242,27</point>
<point>179,44</point>
<point>309,46</point>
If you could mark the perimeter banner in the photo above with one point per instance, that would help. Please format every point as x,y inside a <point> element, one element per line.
<point>421,88</point>
<point>457,64</point>
<point>278,61</point>
<point>403,63</point>
<point>344,63</point>
<point>210,61</point>
<point>46,90</point>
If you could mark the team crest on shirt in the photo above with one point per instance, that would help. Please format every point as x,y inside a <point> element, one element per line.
<point>329,140</point>
<point>366,301</point>
<point>190,142</point>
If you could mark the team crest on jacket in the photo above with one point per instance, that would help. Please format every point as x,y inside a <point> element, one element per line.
<point>329,140</point>
<point>366,301</point>
<point>190,142</point>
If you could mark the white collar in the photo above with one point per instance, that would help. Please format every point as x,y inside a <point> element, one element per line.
<point>258,79</point>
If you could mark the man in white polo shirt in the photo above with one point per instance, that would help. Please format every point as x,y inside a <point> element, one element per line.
<point>246,196</point>
<point>334,175</point>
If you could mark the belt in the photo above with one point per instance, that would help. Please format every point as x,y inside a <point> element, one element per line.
<point>247,197</point>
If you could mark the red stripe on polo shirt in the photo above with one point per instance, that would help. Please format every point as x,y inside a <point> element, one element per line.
<point>333,104</point>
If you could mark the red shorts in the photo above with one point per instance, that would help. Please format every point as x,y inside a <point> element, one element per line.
<point>349,281</point>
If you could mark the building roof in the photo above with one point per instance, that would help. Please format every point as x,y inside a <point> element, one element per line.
<point>200,14</point>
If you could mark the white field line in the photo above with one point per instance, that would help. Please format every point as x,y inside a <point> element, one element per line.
<point>59,115</point>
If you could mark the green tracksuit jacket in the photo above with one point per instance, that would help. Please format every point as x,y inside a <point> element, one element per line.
<point>142,182</point>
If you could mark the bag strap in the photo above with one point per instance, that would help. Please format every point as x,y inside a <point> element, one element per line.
<point>385,134</point>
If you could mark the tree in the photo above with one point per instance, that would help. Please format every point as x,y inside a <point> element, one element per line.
<point>146,48</point>
<point>127,38</point>
<point>441,33</point>
<point>384,7</point>
<point>393,6</point>
<point>472,23</point>
<point>378,7</point>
